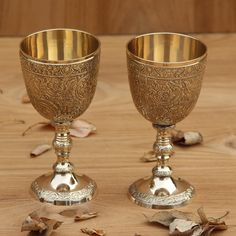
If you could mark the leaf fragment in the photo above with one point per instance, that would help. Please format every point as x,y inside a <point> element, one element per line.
<point>186,138</point>
<point>85,216</point>
<point>180,227</point>
<point>40,224</point>
<point>25,99</point>
<point>79,128</point>
<point>33,223</point>
<point>40,149</point>
<point>165,218</point>
<point>51,225</point>
<point>94,232</point>
<point>82,128</point>
<point>187,223</point>
<point>202,215</point>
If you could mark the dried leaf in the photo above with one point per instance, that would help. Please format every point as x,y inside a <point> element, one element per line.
<point>186,216</point>
<point>40,149</point>
<point>149,157</point>
<point>198,231</point>
<point>202,215</point>
<point>79,128</point>
<point>40,224</point>
<point>35,124</point>
<point>186,138</point>
<point>51,225</point>
<point>208,231</point>
<point>33,223</point>
<point>182,227</point>
<point>188,224</point>
<point>25,98</point>
<point>167,217</point>
<point>161,217</point>
<point>69,212</point>
<point>95,232</point>
<point>86,216</point>
<point>82,128</point>
<point>211,224</point>
<point>219,218</point>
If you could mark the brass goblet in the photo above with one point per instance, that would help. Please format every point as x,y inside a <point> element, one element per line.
<point>165,75</point>
<point>60,68</point>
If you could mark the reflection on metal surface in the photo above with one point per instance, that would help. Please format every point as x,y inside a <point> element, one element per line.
<point>165,75</point>
<point>60,68</point>
<point>57,188</point>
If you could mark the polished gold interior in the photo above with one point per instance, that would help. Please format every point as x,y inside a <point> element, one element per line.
<point>59,45</point>
<point>166,47</point>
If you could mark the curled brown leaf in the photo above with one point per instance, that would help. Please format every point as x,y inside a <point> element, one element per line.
<point>85,216</point>
<point>51,225</point>
<point>94,232</point>
<point>40,224</point>
<point>33,223</point>
<point>186,138</point>
<point>202,215</point>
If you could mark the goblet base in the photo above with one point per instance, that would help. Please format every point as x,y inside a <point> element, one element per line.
<point>162,193</point>
<point>63,188</point>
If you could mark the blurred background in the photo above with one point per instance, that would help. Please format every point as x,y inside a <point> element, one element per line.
<point>21,17</point>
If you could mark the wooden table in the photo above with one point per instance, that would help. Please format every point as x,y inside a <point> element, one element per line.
<point>112,155</point>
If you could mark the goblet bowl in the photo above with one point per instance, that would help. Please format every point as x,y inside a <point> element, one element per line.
<point>165,75</point>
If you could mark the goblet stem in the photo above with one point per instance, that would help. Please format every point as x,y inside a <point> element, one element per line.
<point>163,150</point>
<point>161,190</point>
<point>62,144</point>
<point>63,186</point>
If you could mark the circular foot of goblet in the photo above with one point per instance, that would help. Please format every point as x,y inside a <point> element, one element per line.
<point>63,188</point>
<point>144,193</point>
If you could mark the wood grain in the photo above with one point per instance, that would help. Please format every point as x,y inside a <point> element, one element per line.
<point>112,155</point>
<point>19,17</point>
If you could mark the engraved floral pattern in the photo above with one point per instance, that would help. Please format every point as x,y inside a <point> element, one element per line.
<point>73,197</point>
<point>60,91</point>
<point>165,95</point>
<point>150,200</point>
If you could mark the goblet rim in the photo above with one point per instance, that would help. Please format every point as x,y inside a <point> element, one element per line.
<point>163,63</point>
<point>61,62</point>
